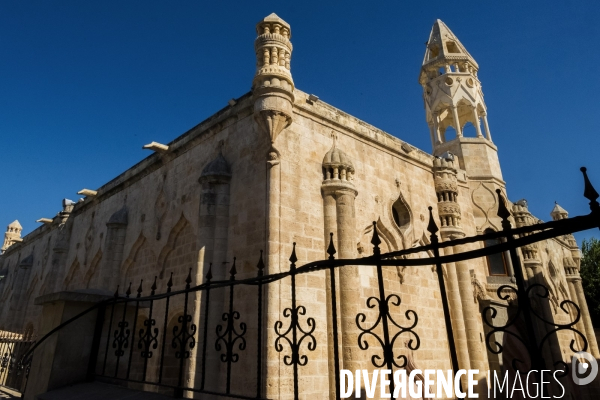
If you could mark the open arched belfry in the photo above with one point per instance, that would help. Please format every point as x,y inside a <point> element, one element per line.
<point>278,166</point>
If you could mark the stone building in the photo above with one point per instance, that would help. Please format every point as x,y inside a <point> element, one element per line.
<point>278,166</point>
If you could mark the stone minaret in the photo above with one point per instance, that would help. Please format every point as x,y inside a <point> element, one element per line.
<point>463,311</point>
<point>12,234</point>
<point>273,95</point>
<point>273,87</point>
<point>453,98</point>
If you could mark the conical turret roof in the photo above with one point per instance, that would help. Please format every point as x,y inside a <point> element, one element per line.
<point>444,46</point>
<point>15,224</point>
<point>273,18</point>
<point>558,210</point>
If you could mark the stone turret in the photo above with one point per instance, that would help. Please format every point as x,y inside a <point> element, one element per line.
<point>452,91</point>
<point>523,217</point>
<point>446,189</point>
<point>453,98</point>
<point>337,167</point>
<point>558,212</point>
<point>273,87</point>
<point>12,235</point>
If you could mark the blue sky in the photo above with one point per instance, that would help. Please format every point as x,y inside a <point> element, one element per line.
<point>83,85</point>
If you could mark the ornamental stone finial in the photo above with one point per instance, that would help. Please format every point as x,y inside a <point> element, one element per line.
<point>273,87</point>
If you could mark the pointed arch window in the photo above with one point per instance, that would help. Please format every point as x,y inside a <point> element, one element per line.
<point>401,214</point>
<point>496,262</point>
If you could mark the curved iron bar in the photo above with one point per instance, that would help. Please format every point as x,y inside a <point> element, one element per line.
<point>387,358</point>
<point>148,336</point>
<point>229,343</point>
<point>230,334</point>
<point>184,333</point>
<point>121,338</point>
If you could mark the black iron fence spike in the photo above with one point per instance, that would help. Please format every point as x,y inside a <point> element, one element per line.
<point>233,271</point>
<point>375,241</point>
<point>154,287</point>
<point>188,280</point>
<point>589,192</point>
<point>293,257</point>
<point>170,283</point>
<point>432,226</point>
<point>261,264</point>
<point>128,292</point>
<point>331,248</point>
<point>117,292</point>
<point>502,209</point>
<point>139,289</point>
<point>209,273</point>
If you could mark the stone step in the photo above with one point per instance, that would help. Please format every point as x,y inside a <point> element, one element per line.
<point>99,391</point>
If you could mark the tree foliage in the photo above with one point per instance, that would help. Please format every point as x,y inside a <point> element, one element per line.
<point>590,277</point>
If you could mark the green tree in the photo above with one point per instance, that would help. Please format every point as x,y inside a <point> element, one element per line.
<point>590,277</point>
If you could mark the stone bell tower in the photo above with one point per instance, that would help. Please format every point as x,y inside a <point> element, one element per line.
<point>454,100</point>
<point>273,87</point>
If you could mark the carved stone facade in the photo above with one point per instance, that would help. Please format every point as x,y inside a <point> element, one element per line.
<point>279,166</point>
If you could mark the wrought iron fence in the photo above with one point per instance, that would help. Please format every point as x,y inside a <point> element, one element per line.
<point>13,346</point>
<point>166,341</point>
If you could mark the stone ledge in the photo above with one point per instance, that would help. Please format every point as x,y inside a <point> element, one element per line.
<point>84,296</point>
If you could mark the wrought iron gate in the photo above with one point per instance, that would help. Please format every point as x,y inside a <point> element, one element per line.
<point>150,342</point>
<point>13,346</point>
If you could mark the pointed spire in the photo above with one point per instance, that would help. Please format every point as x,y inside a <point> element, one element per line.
<point>432,227</point>
<point>128,292</point>
<point>558,212</point>
<point>451,89</point>
<point>375,241</point>
<point>260,265</point>
<point>117,292</point>
<point>443,45</point>
<point>16,225</point>
<point>331,248</point>
<point>170,283</point>
<point>139,289</point>
<point>233,270</point>
<point>188,280</point>
<point>293,257</point>
<point>154,287</point>
<point>209,274</point>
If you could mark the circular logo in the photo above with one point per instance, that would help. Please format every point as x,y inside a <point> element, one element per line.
<point>583,372</point>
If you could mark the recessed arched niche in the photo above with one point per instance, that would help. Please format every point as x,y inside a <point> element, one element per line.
<point>401,214</point>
